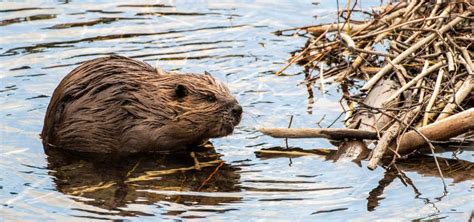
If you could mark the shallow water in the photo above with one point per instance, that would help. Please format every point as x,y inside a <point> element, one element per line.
<point>41,41</point>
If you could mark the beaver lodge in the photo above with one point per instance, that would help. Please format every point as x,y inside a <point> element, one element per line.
<point>415,58</point>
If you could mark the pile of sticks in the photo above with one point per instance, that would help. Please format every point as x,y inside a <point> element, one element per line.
<point>422,49</point>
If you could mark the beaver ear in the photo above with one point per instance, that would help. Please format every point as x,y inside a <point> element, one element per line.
<point>181,91</point>
<point>207,73</point>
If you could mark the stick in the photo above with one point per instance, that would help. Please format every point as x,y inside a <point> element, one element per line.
<point>449,55</point>
<point>415,80</point>
<point>210,176</point>
<point>387,30</point>
<point>388,67</point>
<point>434,95</point>
<point>438,131</point>
<point>287,152</point>
<point>297,57</point>
<point>388,137</point>
<point>466,64</point>
<point>334,27</point>
<point>457,98</point>
<point>468,59</point>
<point>329,133</point>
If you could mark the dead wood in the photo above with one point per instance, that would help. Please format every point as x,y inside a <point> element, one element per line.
<point>441,130</point>
<point>329,133</point>
<point>425,65</point>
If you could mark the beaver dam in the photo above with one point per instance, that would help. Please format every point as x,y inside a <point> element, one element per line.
<point>415,58</point>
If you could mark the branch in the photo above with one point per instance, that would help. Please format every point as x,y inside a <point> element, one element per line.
<point>441,130</point>
<point>329,133</point>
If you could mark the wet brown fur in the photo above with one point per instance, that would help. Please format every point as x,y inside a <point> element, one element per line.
<point>119,105</point>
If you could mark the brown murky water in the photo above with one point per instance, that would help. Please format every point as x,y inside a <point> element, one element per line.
<point>41,41</point>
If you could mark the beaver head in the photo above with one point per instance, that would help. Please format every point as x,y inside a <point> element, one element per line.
<point>119,105</point>
<point>203,107</point>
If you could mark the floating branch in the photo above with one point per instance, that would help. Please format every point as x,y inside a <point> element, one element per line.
<point>328,133</point>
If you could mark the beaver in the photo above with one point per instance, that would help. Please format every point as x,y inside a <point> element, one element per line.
<point>123,106</point>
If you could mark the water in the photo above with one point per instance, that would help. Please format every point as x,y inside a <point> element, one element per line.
<point>41,41</point>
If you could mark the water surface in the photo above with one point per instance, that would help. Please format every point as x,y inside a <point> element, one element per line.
<point>41,41</point>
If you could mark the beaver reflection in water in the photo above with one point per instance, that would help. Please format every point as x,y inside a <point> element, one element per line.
<point>123,106</point>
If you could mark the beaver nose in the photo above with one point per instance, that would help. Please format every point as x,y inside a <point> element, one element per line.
<point>237,110</point>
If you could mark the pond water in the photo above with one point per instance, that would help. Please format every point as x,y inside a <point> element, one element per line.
<point>41,41</point>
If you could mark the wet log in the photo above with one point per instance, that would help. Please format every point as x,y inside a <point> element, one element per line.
<point>438,131</point>
<point>329,133</point>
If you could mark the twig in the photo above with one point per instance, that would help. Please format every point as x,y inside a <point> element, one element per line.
<point>295,58</point>
<point>412,49</point>
<point>210,176</point>
<point>387,138</point>
<point>457,98</point>
<point>434,95</point>
<point>415,80</point>
<point>432,148</point>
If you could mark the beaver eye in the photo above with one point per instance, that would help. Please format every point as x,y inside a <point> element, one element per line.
<point>211,98</point>
<point>180,91</point>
